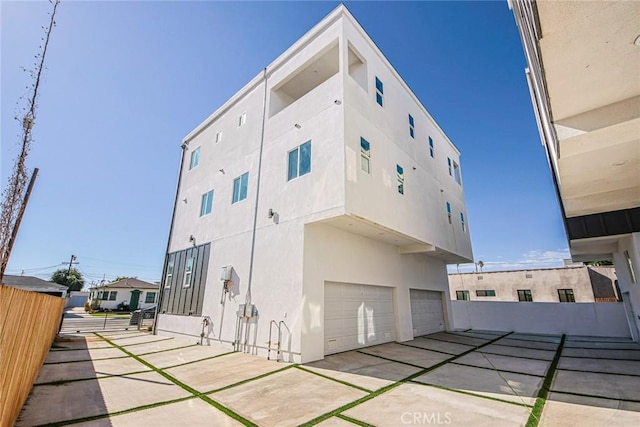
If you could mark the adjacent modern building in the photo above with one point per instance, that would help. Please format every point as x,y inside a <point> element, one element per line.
<point>132,293</point>
<point>34,284</point>
<point>321,204</point>
<point>566,284</point>
<point>584,76</point>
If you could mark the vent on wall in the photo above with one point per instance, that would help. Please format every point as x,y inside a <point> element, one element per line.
<point>480,278</point>
<point>529,276</point>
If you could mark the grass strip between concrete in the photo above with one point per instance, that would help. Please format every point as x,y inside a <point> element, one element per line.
<point>248,380</point>
<point>193,361</point>
<point>354,421</point>
<point>536,412</point>
<point>85,360</point>
<point>425,348</point>
<point>468,393</point>
<point>334,379</point>
<point>582,371</point>
<point>75,380</point>
<point>182,385</point>
<point>389,387</point>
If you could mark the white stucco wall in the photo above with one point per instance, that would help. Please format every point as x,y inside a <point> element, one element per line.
<point>589,319</point>
<point>630,290</point>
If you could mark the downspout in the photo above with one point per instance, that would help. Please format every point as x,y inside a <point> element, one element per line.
<point>173,218</point>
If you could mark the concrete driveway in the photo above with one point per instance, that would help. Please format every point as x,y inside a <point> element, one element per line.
<point>463,378</point>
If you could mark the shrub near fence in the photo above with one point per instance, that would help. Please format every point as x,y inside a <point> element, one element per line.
<point>29,323</point>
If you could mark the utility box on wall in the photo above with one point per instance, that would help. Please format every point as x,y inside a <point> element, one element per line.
<point>225,274</point>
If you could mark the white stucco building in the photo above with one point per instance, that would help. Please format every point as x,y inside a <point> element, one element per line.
<point>327,196</point>
<point>584,75</point>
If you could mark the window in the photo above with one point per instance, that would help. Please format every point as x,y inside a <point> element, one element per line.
<point>449,164</point>
<point>489,293</point>
<point>207,202</point>
<point>299,161</point>
<point>430,146</point>
<point>195,158</point>
<point>104,295</point>
<point>240,187</point>
<point>464,226</point>
<point>411,126</point>
<point>219,136</point>
<point>365,155</point>
<point>632,273</point>
<point>400,173</point>
<point>242,119</point>
<point>150,298</point>
<point>566,295</point>
<point>456,172</point>
<point>462,295</point>
<point>449,211</point>
<point>379,92</point>
<point>167,280</point>
<point>188,270</point>
<point>112,295</point>
<point>524,295</point>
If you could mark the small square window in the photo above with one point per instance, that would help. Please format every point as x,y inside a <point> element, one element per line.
<point>379,92</point>
<point>195,158</point>
<point>188,273</point>
<point>299,161</point>
<point>206,203</point>
<point>242,119</point>
<point>462,295</point>
<point>430,147</point>
<point>524,295</point>
<point>365,155</point>
<point>400,175</point>
<point>566,295</point>
<point>219,136</point>
<point>240,187</point>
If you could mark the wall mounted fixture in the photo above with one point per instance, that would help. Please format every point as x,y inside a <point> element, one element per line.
<point>297,126</point>
<point>271,213</point>
<point>337,102</point>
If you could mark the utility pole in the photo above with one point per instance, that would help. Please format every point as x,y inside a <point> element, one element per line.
<point>71,262</point>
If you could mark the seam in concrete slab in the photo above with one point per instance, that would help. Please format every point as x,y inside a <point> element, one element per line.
<point>468,393</point>
<point>168,349</point>
<point>75,380</point>
<point>570,393</point>
<point>184,386</point>
<point>598,348</point>
<point>113,414</point>
<point>391,360</point>
<point>334,379</point>
<point>196,361</point>
<point>84,360</point>
<point>527,348</point>
<point>536,412</point>
<point>530,340</point>
<point>496,369</point>
<point>601,342</point>
<point>384,389</point>
<point>423,348</point>
<point>266,374</point>
<point>604,358</point>
<point>598,372</point>
<point>450,342</point>
<point>148,342</point>
<point>517,357</point>
<point>354,421</point>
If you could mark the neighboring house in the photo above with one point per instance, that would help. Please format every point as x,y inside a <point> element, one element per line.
<point>322,197</point>
<point>34,284</point>
<point>131,292</point>
<point>565,284</point>
<point>77,299</point>
<point>582,71</point>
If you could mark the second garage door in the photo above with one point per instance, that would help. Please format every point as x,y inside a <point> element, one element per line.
<point>357,316</point>
<point>427,314</point>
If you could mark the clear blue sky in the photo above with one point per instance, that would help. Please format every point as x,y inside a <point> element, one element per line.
<point>126,81</point>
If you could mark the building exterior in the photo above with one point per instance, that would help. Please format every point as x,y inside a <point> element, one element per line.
<point>565,284</point>
<point>34,284</point>
<point>583,61</point>
<point>322,200</point>
<point>130,292</point>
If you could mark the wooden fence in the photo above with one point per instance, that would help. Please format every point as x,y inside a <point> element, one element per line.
<point>29,323</point>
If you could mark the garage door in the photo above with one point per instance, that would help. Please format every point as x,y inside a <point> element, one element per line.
<point>357,316</point>
<point>427,314</point>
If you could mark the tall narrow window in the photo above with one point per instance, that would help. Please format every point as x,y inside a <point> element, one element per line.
<point>219,136</point>
<point>449,164</point>
<point>379,92</point>
<point>400,174</point>
<point>240,187</point>
<point>188,273</point>
<point>113,295</point>
<point>456,173</point>
<point>632,272</point>
<point>411,126</point>
<point>242,119</point>
<point>464,226</point>
<point>365,155</point>
<point>449,211</point>
<point>430,146</point>
<point>566,295</point>
<point>206,203</point>
<point>150,298</point>
<point>299,161</point>
<point>195,158</point>
<point>524,295</point>
<point>167,280</point>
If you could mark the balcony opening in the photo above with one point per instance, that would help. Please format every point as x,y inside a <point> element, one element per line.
<point>357,68</point>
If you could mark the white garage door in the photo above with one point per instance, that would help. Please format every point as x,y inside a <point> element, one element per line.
<point>357,316</point>
<point>427,314</point>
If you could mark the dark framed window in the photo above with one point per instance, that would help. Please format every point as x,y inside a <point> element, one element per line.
<point>566,295</point>
<point>524,295</point>
<point>486,293</point>
<point>462,295</point>
<point>150,298</point>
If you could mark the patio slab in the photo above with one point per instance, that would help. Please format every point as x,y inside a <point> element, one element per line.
<point>598,385</point>
<point>156,346</point>
<point>415,404</point>
<point>607,345</point>
<point>403,353</point>
<point>85,354</point>
<point>535,345</point>
<point>579,411</point>
<point>474,342</point>
<point>101,396</point>
<point>625,367</point>
<point>475,334</point>
<point>519,352</point>
<point>88,369</point>
<point>139,339</point>
<point>536,337</point>
<point>446,347</point>
<point>112,335</point>
<point>213,374</point>
<point>335,422</point>
<point>362,370</point>
<point>517,388</point>
<point>505,363</point>
<point>183,355</point>
<point>601,353</point>
<point>78,342</point>
<point>287,398</point>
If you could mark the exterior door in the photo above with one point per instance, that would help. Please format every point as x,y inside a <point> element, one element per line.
<point>135,298</point>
